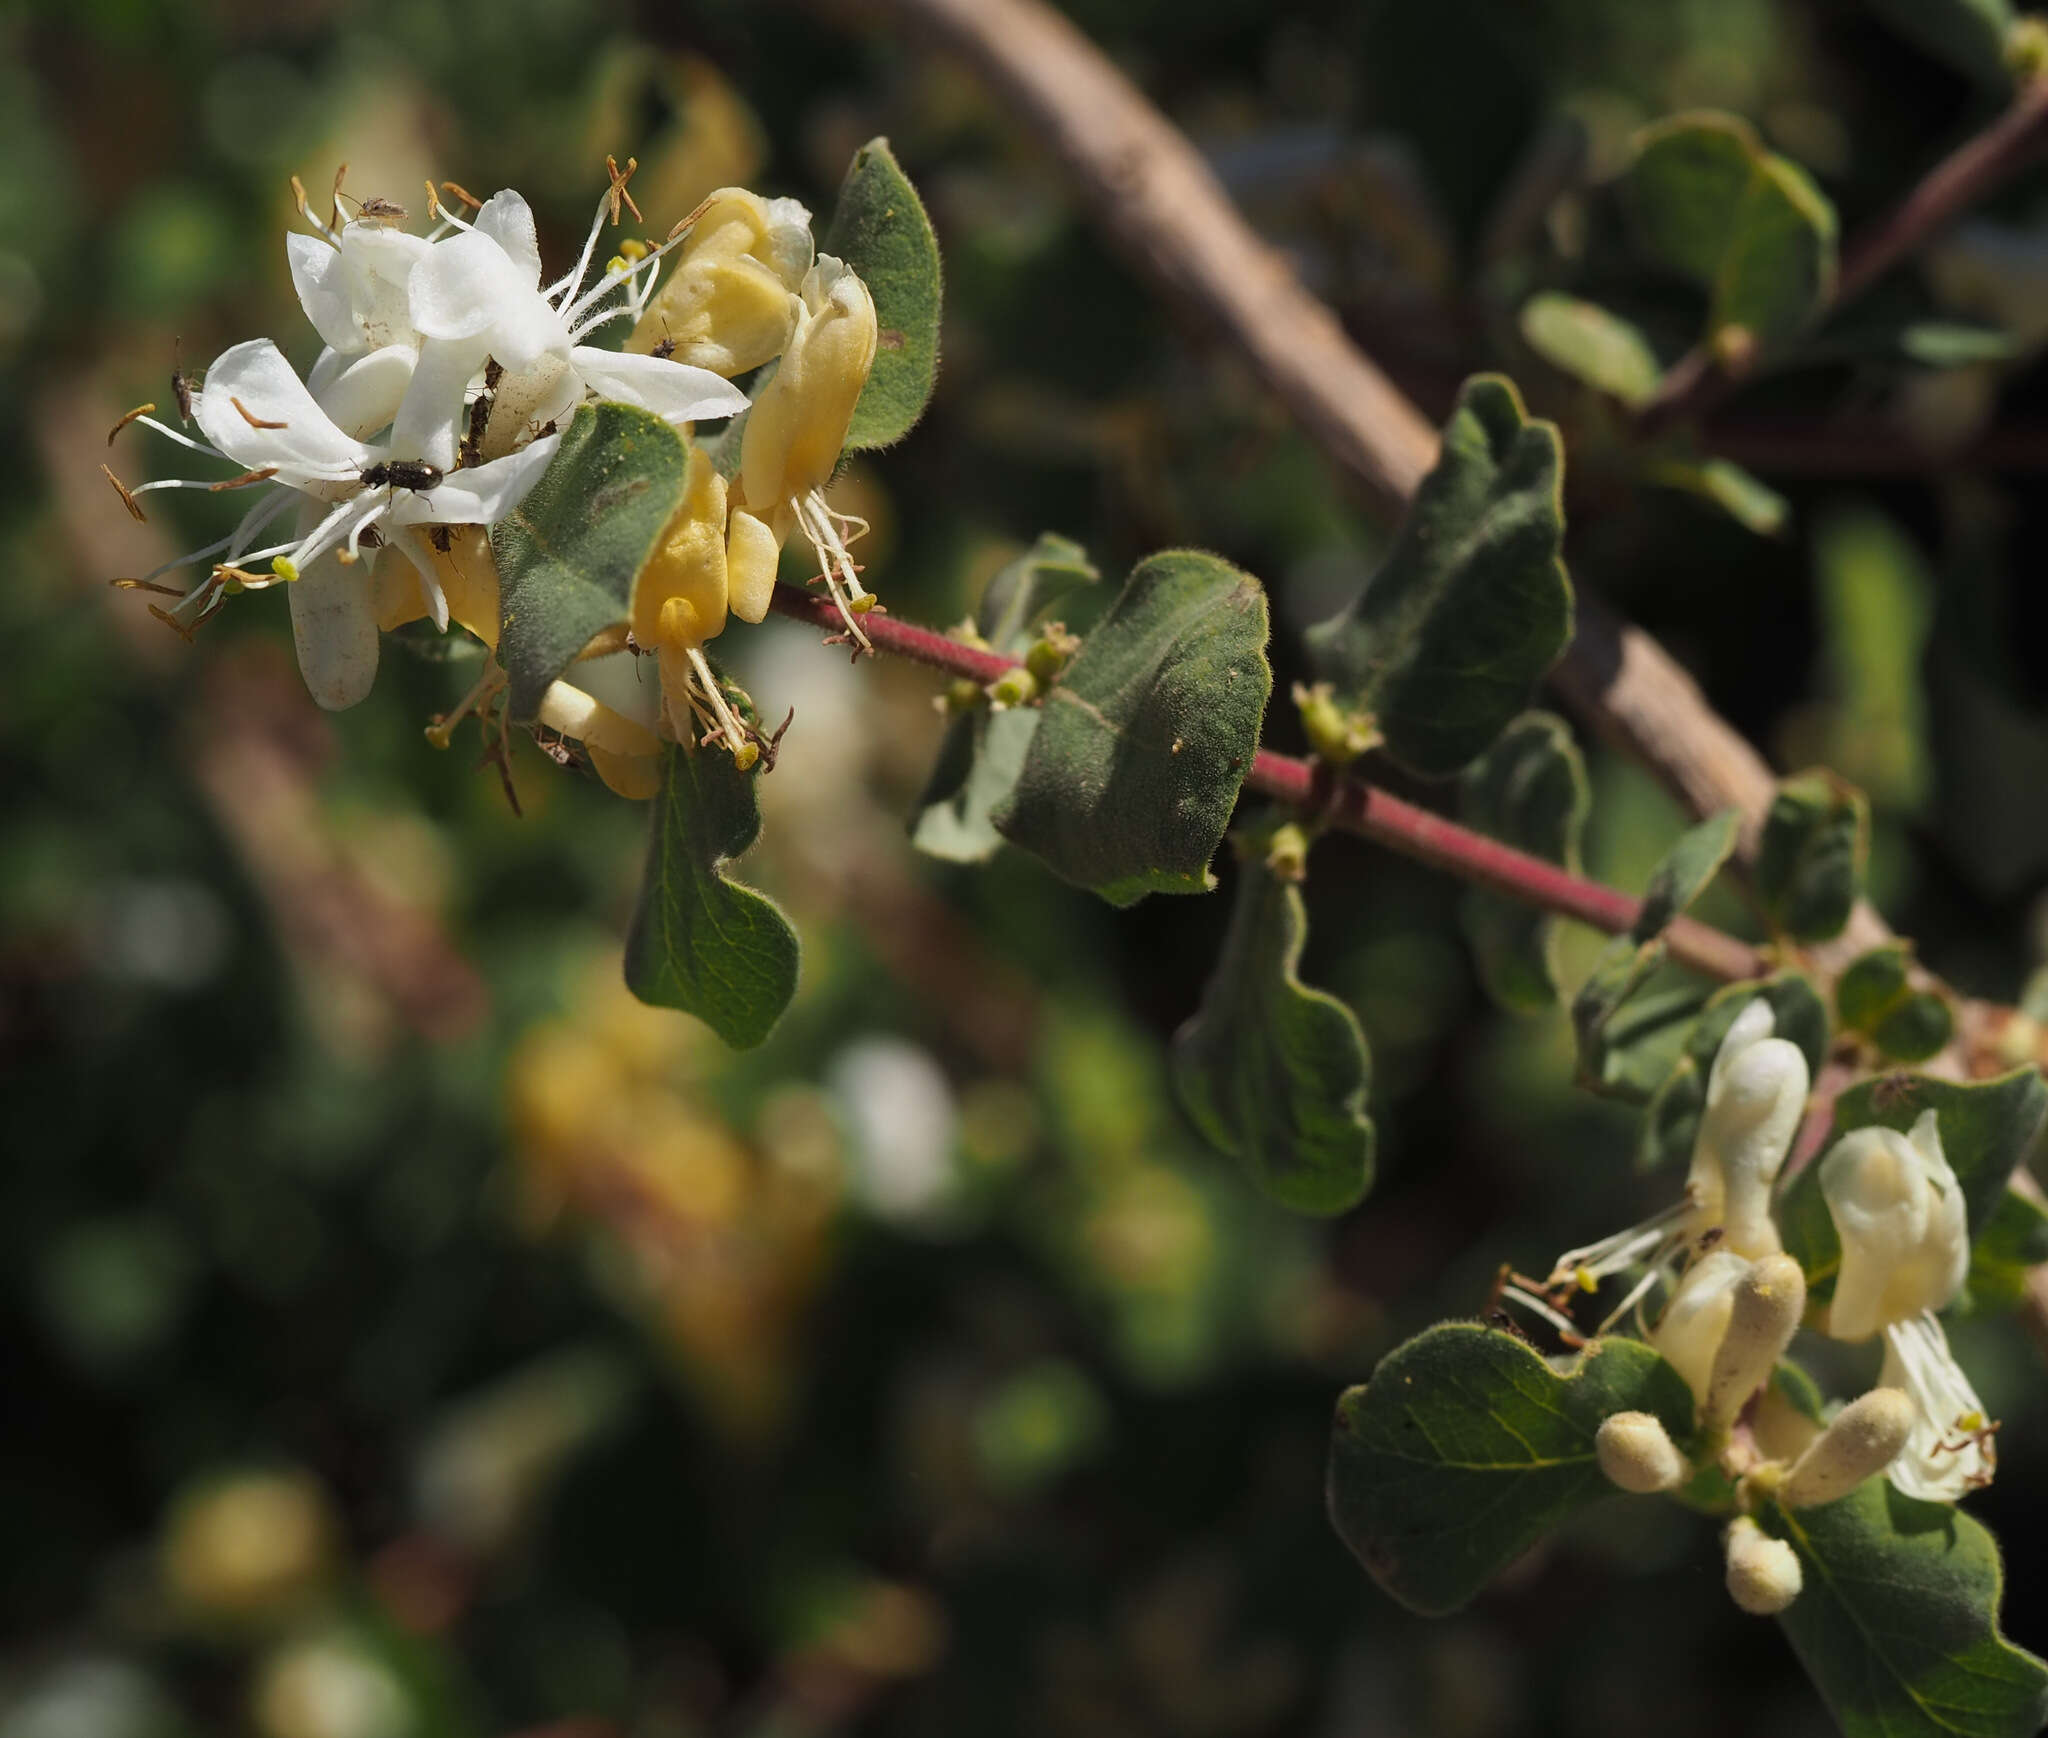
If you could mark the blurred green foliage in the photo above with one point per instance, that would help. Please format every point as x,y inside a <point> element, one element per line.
<point>530,1359</point>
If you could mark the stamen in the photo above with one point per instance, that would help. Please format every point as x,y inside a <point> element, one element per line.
<point>127,497</point>
<point>262,475</point>
<point>340,175</point>
<point>145,585</point>
<point>183,440</point>
<point>841,576</point>
<point>141,410</point>
<point>442,730</point>
<point>251,418</point>
<point>618,188</point>
<point>324,230</point>
<point>729,728</point>
<point>461,192</point>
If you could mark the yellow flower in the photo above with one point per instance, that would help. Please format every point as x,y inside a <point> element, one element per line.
<point>728,305</point>
<point>794,435</point>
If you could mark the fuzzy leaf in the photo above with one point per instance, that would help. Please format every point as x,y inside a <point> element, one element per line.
<point>1671,1122</point>
<point>1466,1447</point>
<point>1875,996</point>
<point>1816,843</point>
<point>1472,605</point>
<point>1529,789</point>
<point>983,753</point>
<point>2014,1240</point>
<point>1987,1128</point>
<point>568,553</point>
<point>701,942</point>
<point>879,227</point>
<point>1746,225</point>
<point>1897,1619</point>
<point>1591,344</point>
<point>1694,859</point>
<point>1968,34</point>
<point>1147,737</point>
<point>1271,1071</point>
<point>1745,498</point>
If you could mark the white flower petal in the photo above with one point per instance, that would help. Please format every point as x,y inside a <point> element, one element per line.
<point>335,630</point>
<point>508,220</point>
<point>321,277</point>
<point>296,435</point>
<point>429,421</point>
<point>674,391</point>
<point>380,263</point>
<point>463,287</point>
<point>364,394</point>
<point>481,494</point>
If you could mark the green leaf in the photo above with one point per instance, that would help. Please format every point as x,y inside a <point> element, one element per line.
<point>1272,1072</point>
<point>1694,859</point>
<point>1466,1447</point>
<point>1671,1123</point>
<point>1472,605</point>
<point>2014,1240</point>
<point>1529,789</point>
<point>1746,225</point>
<point>879,228</point>
<point>1987,1127</point>
<point>701,942</point>
<point>984,752</point>
<point>1969,35</point>
<point>1628,1046</point>
<point>568,553</point>
<point>1897,1619</point>
<point>1875,996</point>
<point>1149,733</point>
<point>1809,868</point>
<point>1750,502</point>
<point>1591,344</point>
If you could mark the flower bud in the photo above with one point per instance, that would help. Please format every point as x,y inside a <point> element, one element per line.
<point>679,595</point>
<point>1689,1332</point>
<point>753,552</point>
<point>1636,1452</point>
<point>1863,1439</point>
<point>1764,1311</point>
<point>1016,687</point>
<point>1905,1236</point>
<point>798,423</point>
<point>727,304</point>
<point>1756,1095</point>
<point>1763,1573</point>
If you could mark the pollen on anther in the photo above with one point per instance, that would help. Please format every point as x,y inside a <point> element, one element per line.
<point>252,419</point>
<point>139,410</point>
<point>129,501</point>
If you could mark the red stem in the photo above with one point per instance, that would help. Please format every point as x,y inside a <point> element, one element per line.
<point>1356,808</point>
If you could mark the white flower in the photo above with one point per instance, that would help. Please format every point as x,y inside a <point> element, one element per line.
<point>1905,1236</point>
<point>257,414</point>
<point>477,296</point>
<point>352,283</point>
<point>1899,1213</point>
<point>1695,1321</point>
<point>1756,1094</point>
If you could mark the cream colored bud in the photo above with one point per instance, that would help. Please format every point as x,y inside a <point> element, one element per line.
<point>1862,1440</point>
<point>1756,1095</point>
<point>1636,1452</point>
<point>1689,1332</point>
<point>1905,1236</point>
<point>798,423</point>
<point>1764,1312</point>
<point>1763,1573</point>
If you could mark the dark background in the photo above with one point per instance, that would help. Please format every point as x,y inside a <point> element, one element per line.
<point>919,1372</point>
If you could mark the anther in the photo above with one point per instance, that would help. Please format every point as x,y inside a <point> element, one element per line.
<point>129,501</point>
<point>247,478</point>
<point>618,191</point>
<point>461,192</point>
<point>252,419</point>
<point>139,410</point>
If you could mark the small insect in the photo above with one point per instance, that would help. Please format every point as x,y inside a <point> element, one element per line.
<point>376,210</point>
<point>667,347</point>
<point>440,537</point>
<point>473,440</point>
<point>181,387</point>
<point>415,474</point>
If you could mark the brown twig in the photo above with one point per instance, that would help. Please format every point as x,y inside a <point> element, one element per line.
<point>1695,384</point>
<point>1356,807</point>
<point>1157,201</point>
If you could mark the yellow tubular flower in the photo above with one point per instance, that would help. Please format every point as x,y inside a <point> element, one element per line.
<point>797,429</point>
<point>752,554</point>
<point>466,569</point>
<point>611,707</point>
<point>728,305</point>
